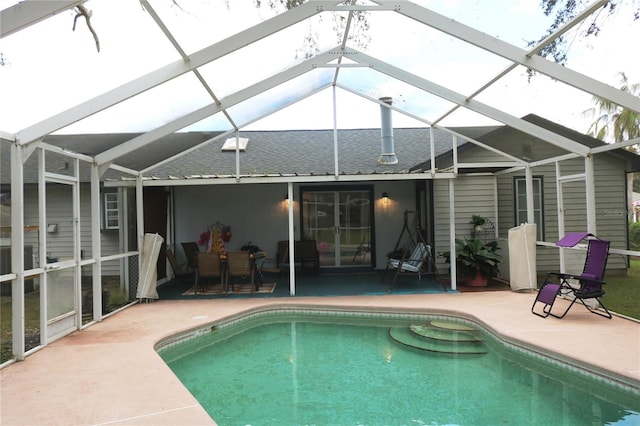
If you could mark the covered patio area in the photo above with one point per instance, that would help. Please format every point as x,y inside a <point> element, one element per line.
<point>366,283</point>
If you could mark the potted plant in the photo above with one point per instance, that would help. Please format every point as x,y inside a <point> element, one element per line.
<point>477,221</point>
<point>476,261</point>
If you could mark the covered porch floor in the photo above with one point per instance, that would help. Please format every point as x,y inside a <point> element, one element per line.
<point>331,283</point>
<point>110,373</point>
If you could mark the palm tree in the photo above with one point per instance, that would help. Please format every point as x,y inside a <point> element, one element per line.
<point>613,123</point>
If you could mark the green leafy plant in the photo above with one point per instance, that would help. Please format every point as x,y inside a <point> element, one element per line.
<point>472,255</point>
<point>477,220</point>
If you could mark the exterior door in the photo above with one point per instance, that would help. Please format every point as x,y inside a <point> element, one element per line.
<point>340,221</point>
<point>155,222</point>
<point>61,270</point>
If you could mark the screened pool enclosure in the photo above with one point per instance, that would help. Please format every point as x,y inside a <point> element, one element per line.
<point>103,124</point>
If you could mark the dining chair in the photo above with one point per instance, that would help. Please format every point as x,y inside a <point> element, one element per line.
<point>240,265</point>
<point>208,266</point>
<point>190,250</point>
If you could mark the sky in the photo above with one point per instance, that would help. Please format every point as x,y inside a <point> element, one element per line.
<point>52,68</point>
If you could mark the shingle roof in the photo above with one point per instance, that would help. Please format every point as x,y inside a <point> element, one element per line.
<point>310,152</point>
<point>269,152</point>
<point>294,152</point>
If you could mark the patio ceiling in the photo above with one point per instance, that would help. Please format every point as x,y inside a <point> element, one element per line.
<point>222,81</point>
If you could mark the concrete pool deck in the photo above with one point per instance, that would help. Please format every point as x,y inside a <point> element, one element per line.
<point>110,374</point>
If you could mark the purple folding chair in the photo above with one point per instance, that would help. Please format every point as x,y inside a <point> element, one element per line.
<point>590,281</point>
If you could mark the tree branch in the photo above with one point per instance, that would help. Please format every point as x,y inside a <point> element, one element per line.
<point>83,11</point>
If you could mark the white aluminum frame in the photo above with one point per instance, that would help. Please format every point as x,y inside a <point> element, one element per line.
<point>27,140</point>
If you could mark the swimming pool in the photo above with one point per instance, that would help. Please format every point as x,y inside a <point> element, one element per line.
<point>309,367</point>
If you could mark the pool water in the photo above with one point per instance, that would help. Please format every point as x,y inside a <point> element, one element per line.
<point>308,371</point>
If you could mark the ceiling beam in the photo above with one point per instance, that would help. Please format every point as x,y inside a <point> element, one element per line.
<point>211,109</point>
<point>427,122</point>
<point>535,50</point>
<point>259,179</point>
<point>301,13</point>
<point>290,101</point>
<point>615,145</point>
<point>457,98</point>
<point>166,73</point>
<point>156,18</point>
<point>7,136</point>
<point>517,55</point>
<point>26,13</point>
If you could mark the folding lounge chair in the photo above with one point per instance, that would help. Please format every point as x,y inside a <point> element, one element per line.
<point>412,264</point>
<point>589,285</point>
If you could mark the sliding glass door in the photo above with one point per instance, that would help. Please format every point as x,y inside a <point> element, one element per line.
<point>340,221</point>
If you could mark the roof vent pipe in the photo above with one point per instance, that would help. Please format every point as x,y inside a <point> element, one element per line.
<point>388,155</point>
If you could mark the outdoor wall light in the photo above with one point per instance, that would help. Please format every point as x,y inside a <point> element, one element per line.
<point>385,198</point>
<point>286,199</point>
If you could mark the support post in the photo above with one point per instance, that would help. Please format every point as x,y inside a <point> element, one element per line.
<point>77,274</point>
<point>140,220</point>
<point>96,247</point>
<point>42,249</point>
<point>590,194</point>
<point>17,254</point>
<point>292,239</point>
<point>452,234</point>
<point>559,200</point>
<point>336,170</point>
<point>531,217</point>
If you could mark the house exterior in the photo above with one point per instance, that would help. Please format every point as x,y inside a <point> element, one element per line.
<point>195,198</point>
<point>610,190</point>
<point>492,191</point>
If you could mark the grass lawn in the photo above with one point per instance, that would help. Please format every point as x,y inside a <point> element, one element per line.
<point>622,292</point>
<point>32,319</point>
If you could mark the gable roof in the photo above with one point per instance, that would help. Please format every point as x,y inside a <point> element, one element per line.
<point>514,142</point>
<point>311,152</point>
<point>308,152</point>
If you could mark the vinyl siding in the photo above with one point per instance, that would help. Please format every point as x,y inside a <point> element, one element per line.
<point>59,211</point>
<point>472,194</point>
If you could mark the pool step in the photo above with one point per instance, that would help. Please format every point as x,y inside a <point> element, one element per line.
<point>436,332</point>
<point>441,337</point>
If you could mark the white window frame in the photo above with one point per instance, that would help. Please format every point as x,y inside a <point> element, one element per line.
<point>520,208</point>
<point>111,210</point>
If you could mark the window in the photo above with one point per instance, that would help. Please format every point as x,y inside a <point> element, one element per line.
<point>111,214</point>
<point>520,192</point>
